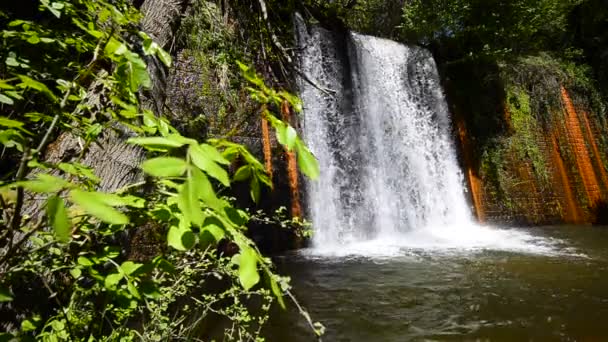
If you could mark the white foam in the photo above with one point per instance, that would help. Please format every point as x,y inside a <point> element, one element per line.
<point>446,241</point>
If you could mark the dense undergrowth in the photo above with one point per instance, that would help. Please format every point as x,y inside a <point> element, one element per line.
<point>69,265</point>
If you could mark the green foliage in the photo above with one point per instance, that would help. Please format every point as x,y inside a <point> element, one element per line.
<point>526,128</point>
<point>81,70</point>
<point>477,29</point>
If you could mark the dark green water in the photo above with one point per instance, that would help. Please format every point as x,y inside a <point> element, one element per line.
<point>455,294</point>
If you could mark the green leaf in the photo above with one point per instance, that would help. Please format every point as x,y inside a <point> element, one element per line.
<point>164,56</point>
<point>204,190</point>
<point>33,84</point>
<point>76,272</point>
<point>306,161</point>
<point>243,173</point>
<point>180,238</point>
<point>205,162</point>
<point>5,294</point>
<point>27,325</point>
<point>214,154</point>
<point>133,71</point>
<point>84,261</point>
<point>254,189</point>
<point>79,170</point>
<point>6,122</point>
<point>276,290</point>
<point>58,217</point>
<point>286,135</point>
<point>188,203</point>
<point>150,290</point>
<point>152,48</point>
<point>165,167</point>
<point>128,267</point>
<point>156,142</point>
<point>115,47</point>
<point>248,272</point>
<point>44,183</point>
<point>6,100</point>
<point>215,231</point>
<point>112,280</point>
<point>92,204</point>
<point>133,290</point>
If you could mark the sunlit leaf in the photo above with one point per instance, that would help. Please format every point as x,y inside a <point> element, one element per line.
<point>91,203</point>
<point>129,267</point>
<point>44,183</point>
<point>165,167</point>
<point>156,142</point>
<point>84,261</point>
<point>28,82</point>
<point>58,217</point>
<point>205,162</point>
<point>248,271</point>
<point>180,238</point>
<point>243,173</point>
<point>306,161</point>
<point>187,201</point>
<point>112,280</point>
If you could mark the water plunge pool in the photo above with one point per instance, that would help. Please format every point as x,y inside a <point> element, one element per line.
<point>455,293</point>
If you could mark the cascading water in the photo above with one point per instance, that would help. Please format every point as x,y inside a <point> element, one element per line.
<point>377,121</point>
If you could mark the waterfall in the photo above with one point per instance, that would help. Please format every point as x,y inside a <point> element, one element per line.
<point>376,119</point>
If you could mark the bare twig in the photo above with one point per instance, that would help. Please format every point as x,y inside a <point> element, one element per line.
<point>13,249</point>
<point>285,53</point>
<point>304,313</point>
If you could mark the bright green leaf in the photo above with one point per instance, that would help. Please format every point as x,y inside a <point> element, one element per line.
<point>306,161</point>
<point>33,84</point>
<point>84,261</point>
<point>214,154</point>
<point>205,162</point>
<point>91,203</point>
<point>180,238</point>
<point>112,280</point>
<point>286,135</point>
<point>248,272</point>
<point>254,189</point>
<point>76,272</point>
<point>188,202</point>
<point>128,267</point>
<point>133,290</point>
<point>58,218</point>
<point>243,173</point>
<point>165,167</point>
<point>6,100</point>
<point>44,183</point>
<point>156,142</point>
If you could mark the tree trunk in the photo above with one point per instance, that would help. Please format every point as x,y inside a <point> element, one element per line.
<point>114,161</point>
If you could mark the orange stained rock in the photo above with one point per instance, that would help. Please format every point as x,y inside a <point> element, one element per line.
<point>266,145</point>
<point>596,151</point>
<point>292,169</point>
<point>571,214</point>
<point>474,181</point>
<point>576,141</point>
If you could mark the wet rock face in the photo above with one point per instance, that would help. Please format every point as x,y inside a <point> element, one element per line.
<point>572,186</point>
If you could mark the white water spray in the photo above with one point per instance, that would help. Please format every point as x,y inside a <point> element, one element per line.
<point>381,132</point>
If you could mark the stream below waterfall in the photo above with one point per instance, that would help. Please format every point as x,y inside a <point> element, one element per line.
<point>556,292</point>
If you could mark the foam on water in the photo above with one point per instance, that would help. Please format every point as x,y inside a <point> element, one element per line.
<point>435,241</point>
